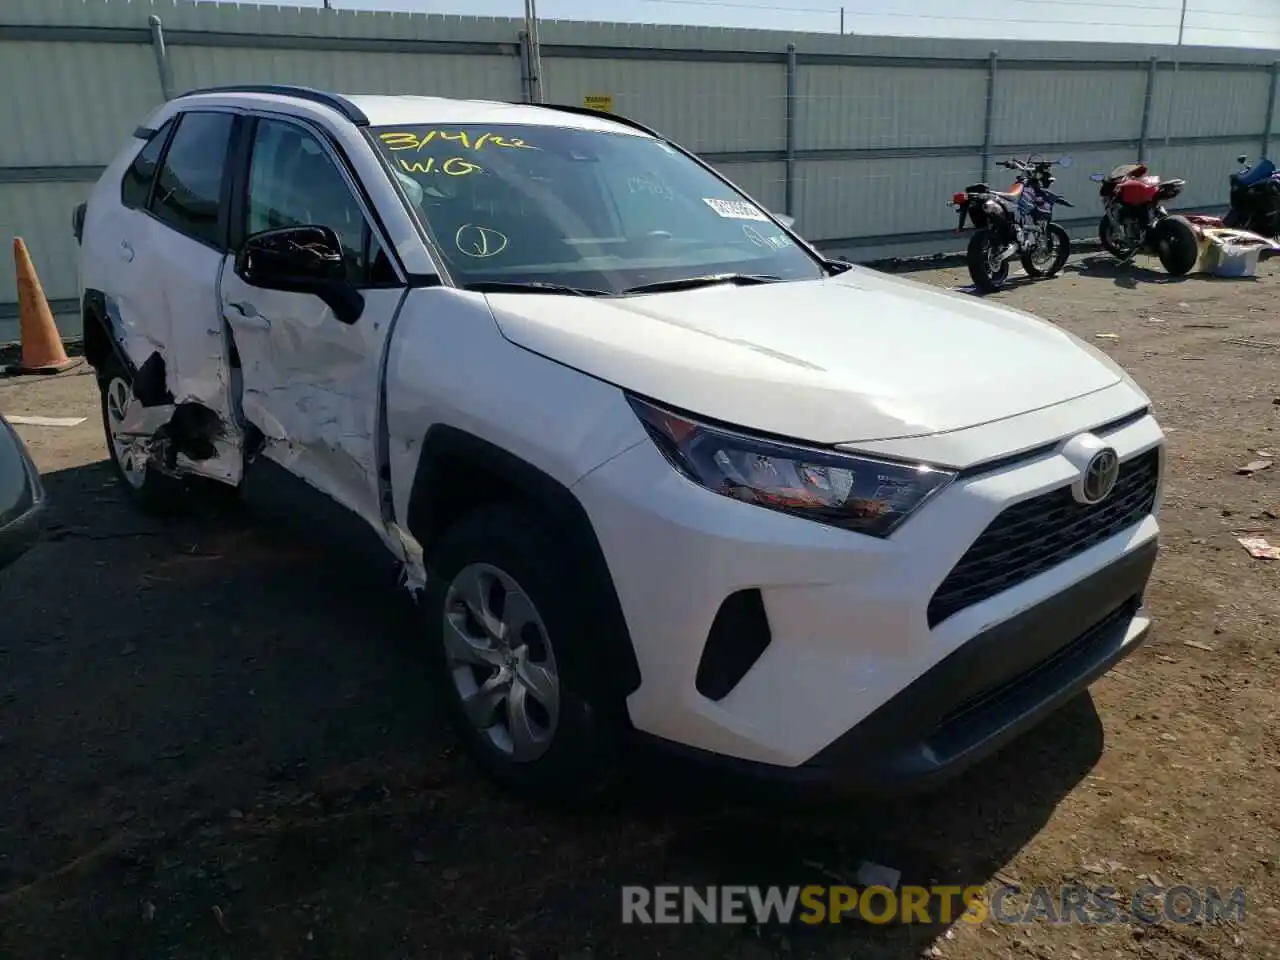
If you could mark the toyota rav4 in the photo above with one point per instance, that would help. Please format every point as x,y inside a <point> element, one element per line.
<point>651,464</point>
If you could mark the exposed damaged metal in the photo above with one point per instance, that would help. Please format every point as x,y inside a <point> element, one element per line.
<point>162,431</point>
<point>413,563</point>
<point>320,417</point>
<point>216,353</point>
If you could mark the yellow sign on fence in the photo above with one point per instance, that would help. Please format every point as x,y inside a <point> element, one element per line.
<point>598,101</point>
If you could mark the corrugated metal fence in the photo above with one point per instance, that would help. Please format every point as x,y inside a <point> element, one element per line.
<point>861,138</point>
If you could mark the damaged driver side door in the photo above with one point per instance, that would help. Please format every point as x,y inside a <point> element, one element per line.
<point>309,295</point>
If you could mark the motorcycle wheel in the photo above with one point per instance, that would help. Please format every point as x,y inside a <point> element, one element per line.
<point>1111,243</point>
<point>983,249</point>
<point>1175,244</point>
<point>1059,251</point>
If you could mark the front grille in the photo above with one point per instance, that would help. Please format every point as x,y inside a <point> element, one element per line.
<point>1036,535</point>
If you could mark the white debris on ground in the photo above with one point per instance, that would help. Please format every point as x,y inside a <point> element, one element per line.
<point>33,421</point>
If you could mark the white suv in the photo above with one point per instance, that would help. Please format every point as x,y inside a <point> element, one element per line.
<point>652,464</point>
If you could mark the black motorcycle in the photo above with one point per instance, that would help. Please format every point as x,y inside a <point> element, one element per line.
<point>1255,198</point>
<point>1015,224</point>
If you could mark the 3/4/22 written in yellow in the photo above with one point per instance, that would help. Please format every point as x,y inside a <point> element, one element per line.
<point>408,140</point>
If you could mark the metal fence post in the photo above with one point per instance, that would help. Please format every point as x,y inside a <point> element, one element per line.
<point>1270,126</point>
<point>163,67</point>
<point>989,123</point>
<point>1152,67</point>
<point>537,89</point>
<point>790,182</point>
<point>526,63</point>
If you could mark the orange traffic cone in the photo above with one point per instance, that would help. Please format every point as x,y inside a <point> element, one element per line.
<point>42,350</point>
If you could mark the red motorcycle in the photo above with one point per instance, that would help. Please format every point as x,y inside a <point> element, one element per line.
<point>1137,222</point>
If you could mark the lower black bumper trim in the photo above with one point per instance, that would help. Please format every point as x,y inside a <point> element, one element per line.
<point>993,688</point>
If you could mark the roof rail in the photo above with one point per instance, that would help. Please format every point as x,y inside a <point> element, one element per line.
<point>332,100</point>
<point>600,114</point>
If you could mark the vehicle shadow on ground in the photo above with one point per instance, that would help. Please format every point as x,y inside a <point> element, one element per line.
<point>1013,283</point>
<point>1130,276</point>
<point>208,712</point>
<point>961,835</point>
<point>926,265</point>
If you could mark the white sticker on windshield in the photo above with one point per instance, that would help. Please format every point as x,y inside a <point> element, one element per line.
<point>735,209</point>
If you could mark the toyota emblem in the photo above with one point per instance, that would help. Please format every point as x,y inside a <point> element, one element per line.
<point>1099,477</point>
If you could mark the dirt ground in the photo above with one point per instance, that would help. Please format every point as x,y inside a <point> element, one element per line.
<point>214,744</point>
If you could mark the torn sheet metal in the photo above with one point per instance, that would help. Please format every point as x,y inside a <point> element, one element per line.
<point>413,562</point>
<point>133,334</point>
<point>178,437</point>
<point>184,423</point>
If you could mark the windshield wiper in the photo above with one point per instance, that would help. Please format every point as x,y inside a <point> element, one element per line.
<point>530,286</point>
<point>707,280</point>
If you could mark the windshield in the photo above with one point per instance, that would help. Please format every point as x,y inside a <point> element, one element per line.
<point>601,212</point>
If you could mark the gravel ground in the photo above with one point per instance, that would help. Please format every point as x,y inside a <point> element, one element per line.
<point>215,744</point>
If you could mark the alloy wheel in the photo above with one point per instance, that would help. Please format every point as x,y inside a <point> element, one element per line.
<point>501,662</point>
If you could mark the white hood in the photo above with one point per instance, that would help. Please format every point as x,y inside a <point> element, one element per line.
<point>859,357</point>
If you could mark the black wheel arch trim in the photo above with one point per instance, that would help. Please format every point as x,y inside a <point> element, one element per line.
<point>444,448</point>
<point>94,311</point>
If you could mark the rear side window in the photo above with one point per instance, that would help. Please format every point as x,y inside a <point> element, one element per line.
<point>188,190</point>
<point>136,185</point>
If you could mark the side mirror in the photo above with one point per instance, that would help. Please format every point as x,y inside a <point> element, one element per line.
<point>785,219</point>
<point>301,260</point>
<point>1242,159</point>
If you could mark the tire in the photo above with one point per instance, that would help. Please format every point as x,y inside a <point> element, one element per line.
<point>569,753</point>
<point>978,260</point>
<point>1060,245</point>
<point>147,487</point>
<point>1175,244</point>
<point>1107,238</point>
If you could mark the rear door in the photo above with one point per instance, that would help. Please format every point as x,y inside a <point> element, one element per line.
<point>176,255</point>
<point>109,259</point>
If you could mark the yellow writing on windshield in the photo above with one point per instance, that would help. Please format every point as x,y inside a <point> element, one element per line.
<point>479,242</point>
<point>407,140</point>
<point>453,166</point>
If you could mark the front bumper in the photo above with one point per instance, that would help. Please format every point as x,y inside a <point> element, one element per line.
<point>854,683</point>
<point>997,686</point>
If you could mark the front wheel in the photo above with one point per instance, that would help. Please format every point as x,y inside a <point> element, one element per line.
<point>1175,244</point>
<point>987,268</point>
<point>511,653</point>
<point>1050,257</point>
<point>1113,244</point>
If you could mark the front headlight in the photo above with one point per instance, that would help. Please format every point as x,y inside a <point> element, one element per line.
<point>852,492</point>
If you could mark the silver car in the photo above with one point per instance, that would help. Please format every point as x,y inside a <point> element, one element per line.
<point>22,498</point>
